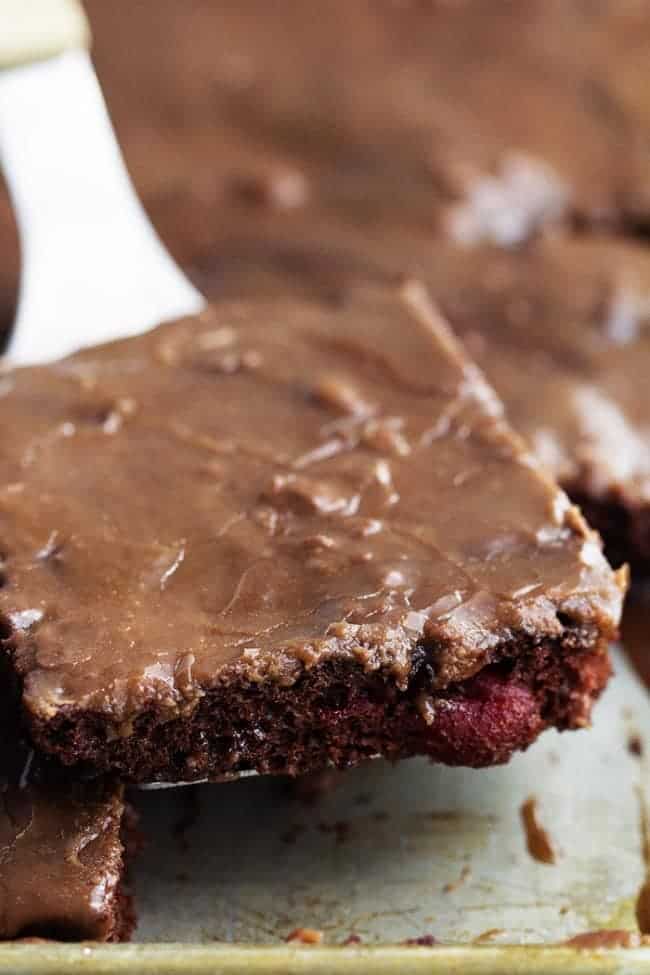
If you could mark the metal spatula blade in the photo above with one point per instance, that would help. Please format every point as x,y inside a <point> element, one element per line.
<point>93,268</point>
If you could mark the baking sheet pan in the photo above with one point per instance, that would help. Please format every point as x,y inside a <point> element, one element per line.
<point>395,853</point>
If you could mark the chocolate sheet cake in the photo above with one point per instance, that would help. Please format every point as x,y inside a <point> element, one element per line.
<point>285,535</point>
<point>62,859</point>
<point>298,531</point>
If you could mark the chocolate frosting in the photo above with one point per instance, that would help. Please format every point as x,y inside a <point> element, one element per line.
<point>277,483</point>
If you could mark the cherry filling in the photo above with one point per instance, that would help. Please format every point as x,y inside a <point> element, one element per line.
<point>493,717</point>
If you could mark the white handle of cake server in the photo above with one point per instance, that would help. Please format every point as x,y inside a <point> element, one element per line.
<point>33,30</point>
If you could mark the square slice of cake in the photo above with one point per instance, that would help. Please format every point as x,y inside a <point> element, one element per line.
<point>62,854</point>
<point>285,535</point>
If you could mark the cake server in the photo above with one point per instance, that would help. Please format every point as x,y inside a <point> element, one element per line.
<point>93,267</point>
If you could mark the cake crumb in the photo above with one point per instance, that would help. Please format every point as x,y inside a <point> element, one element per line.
<point>465,874</point>
<point>538,841</point>
<point>306,936</point>
<point>635,746</point>
<point>487,936</point>
<point>605,939</point>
